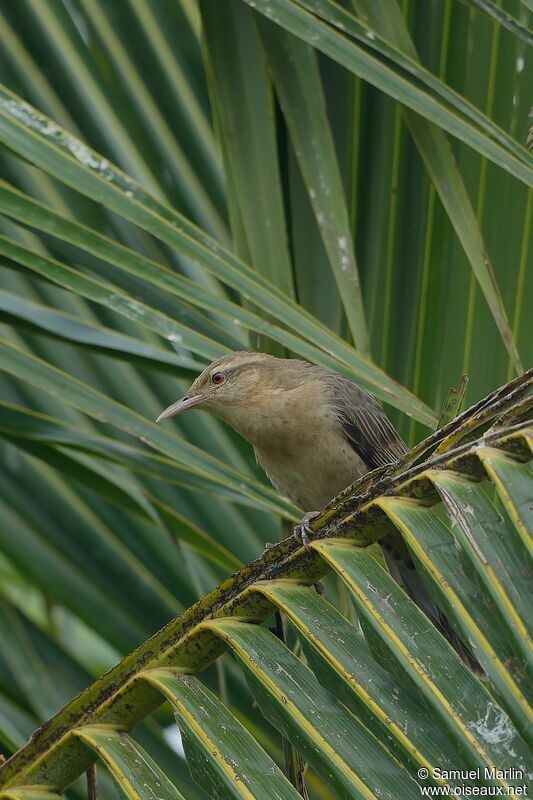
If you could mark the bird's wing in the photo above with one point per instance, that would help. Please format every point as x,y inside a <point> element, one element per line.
<point>376,441</point>
<point>365,424</point>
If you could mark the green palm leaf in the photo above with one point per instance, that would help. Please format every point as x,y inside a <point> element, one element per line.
<point>339,745</point>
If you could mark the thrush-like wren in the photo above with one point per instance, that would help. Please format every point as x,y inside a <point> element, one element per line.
<point>314,432</point>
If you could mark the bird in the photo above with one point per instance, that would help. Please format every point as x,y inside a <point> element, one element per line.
<point>314,432</point>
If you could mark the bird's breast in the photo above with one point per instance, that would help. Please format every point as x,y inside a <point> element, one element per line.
<point>311,469</point>
<point>299,442</point>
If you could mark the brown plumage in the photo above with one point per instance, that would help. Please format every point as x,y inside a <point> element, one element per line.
<point>314,432</point>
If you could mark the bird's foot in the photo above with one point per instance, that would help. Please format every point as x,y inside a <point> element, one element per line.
<point>302,532</point>
<point>268,546</point>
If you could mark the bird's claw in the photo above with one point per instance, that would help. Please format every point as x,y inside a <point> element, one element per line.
<point>302,532</point>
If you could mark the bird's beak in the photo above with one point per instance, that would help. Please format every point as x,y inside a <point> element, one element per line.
<point>179,406</point>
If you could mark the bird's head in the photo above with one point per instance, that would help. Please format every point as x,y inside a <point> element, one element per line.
<point>233,386</point>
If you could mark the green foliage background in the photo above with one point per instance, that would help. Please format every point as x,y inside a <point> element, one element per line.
<point>375,243</point>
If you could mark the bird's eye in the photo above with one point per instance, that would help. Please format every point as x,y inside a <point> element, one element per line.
<point>218,377</point>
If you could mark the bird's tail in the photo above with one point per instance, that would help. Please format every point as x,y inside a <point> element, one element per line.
<point>401,566</point>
